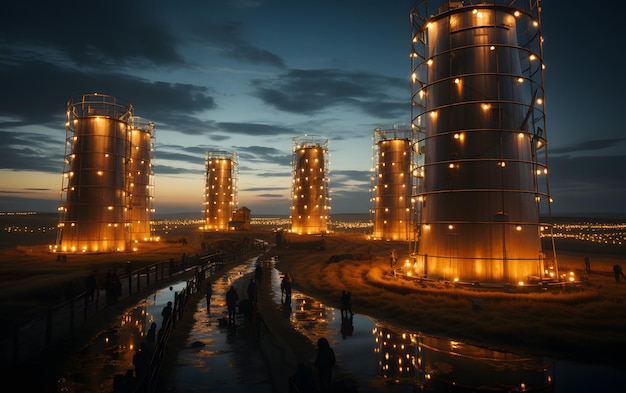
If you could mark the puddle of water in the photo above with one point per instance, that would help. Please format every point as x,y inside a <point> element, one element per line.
<point>220,360</point>
<point>385,358</point>
<point>381,358</point>
<point>111,351</point>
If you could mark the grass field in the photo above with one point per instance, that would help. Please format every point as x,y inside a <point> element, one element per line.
<point>587,322</point>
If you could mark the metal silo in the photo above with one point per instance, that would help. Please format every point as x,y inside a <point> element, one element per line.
<point>393,185</point>
<point>140,180</point>
<point>220,191</point>
<point>94,198</point>
<point>310,207</point>
<point>478,98</point>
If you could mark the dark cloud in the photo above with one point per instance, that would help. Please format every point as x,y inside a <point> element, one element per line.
<point>588,146</point>
<point>590,179</point>
<point>270,196</point>
<point>28,204</point>
<point>178,155</point>
<point>23,151</point>
<point>160,169</point>
<point>349,201</point>
<point>47,88</point>
<point>99,35</point>
<point>350,175</point>
<point>190,125</point>
<point>255,189</point>
<point>312,91</point>
<point>253,129</point>
<point>228,39</point>
<point>263,154</point>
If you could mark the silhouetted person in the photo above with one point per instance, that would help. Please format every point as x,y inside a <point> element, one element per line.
<point>324,361</point>
<point>129,381</point>
<point>246,308</point>
<point>587,265</point>
<point>302,380</point>
<point>617,269</point>
<point>151,335</point>
<point>119,383</point>
<point>258,273</point>
<point>346,303</point>
<point>109,287</point>
<point>113,286</point>
<point>91,285</point>
<point>141,362</point>
<point>166,313</point>
<point>253,291</point>
<point>231,303</point>
<point>285,288</point>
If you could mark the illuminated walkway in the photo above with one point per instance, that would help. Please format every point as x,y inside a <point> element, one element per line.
<point>371,356</point>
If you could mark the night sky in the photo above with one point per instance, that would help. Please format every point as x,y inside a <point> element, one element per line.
<point>248,76</point>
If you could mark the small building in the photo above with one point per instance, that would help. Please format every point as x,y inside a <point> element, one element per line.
<point>241,219</point>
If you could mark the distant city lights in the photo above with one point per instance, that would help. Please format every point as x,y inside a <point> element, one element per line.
<point>593,232</point>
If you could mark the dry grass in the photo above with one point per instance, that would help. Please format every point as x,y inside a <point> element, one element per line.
<point>33,281</point>
<point>588,321</point>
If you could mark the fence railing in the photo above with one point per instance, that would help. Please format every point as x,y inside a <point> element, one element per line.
<point>146,383</point>
<point>32,337</point>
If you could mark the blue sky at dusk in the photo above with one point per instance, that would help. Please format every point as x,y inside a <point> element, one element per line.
<point>250,75</point>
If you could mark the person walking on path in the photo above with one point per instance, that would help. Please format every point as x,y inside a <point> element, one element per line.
<point>346,303</point>
<point>151,335</point>
<point>258,273</point>
<point>91,286</point>
<point>617,270</point>
<point>253,291</point>
<point>285,289</point>
<point>166,313</point>
<point>587,265</point>
<point>231,303</point>
<point>141,361</point>
<point>324,361</point>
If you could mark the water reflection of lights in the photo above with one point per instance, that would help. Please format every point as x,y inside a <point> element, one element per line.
<point>124,339</point>
<point>431,361</point>
<point>309,310</point>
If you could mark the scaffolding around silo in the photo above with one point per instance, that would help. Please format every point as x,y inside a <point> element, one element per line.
<point>220,189</point>
<point>478,96</point>
<point>140,180</point>
<point>393,209</point>
<point>92,213</point>
<point>310,198</point>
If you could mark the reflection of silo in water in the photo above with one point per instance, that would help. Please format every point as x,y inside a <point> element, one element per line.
<point>478,96</point>
<point>140,175</point>
<point>439,364</point>
<point>446,364</point>
<point>220,190</point>
<point>92,212</point>
<point>309,209</point>
<point>397,356</point>
<point>393,186</point>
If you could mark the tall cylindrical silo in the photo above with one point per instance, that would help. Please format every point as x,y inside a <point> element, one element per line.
<point>94,198</point>
<point>140,178</point>
<point>393,188</point>
<point>478,98</point>
<point>220,190</point>
<point>310,209</point>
